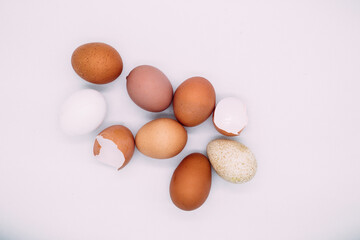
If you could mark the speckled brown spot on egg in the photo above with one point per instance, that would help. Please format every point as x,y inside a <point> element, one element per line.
<point>232,160</point>
<point>97,63</point>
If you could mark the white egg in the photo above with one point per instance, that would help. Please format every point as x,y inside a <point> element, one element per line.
<point>82,112</point>
<point>230,116</point>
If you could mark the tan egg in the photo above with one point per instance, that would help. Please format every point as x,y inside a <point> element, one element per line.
<point>114,146</point>
<point>191,182</point>
<point>232,160</point>
<point>161,138</point>
<point>97,63</point>
<point>194,101</point>
<point>149,88</point>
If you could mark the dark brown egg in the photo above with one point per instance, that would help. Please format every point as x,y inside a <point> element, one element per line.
<point>191,182</point>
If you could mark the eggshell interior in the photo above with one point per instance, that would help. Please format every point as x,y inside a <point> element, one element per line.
<point>116,146</point>
<point>109,153</point>
<point>230,115</point>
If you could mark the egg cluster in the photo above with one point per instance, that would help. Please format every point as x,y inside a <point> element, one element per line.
<point>194,101</point>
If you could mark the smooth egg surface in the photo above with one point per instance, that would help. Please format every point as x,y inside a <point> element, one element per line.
<point>191,182</point>
<point>82,112</point>
<point>161,138</point>
<point>149,88</point>
<point>194,101</point>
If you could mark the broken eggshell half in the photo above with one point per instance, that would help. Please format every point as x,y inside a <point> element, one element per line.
<point>114,146</point>
<point>230,116</point>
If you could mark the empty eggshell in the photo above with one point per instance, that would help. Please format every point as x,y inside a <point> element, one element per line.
<point>97,62</point>
<point>82,112</point>
<point>194,101</point>
<point>114,146</point>
<point>191,182</point>
<point>149,88</point>
<point>232,160</point>
<point>230,116</point>
<point>161,138</point>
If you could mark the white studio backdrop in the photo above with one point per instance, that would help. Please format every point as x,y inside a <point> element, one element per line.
<point>296,65</point>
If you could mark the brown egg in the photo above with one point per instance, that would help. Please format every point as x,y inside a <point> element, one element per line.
<point>161,138</point>
<point>149,88</point>
<point>114,146</point>
<point>97,63</point>
<point>194,101</point>
<point>191,182</point>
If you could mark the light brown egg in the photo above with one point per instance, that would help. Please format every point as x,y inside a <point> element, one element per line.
<point>191,182</point>
<point>97,63</point>
<point>161,138</point>
<point>149,88</point>
<point>114,146</point>
<point>194,101</point>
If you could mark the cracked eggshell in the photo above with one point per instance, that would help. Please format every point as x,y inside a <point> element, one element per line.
<point>97,62</point>
<point>230,116</point>
<point>161,138</point>
<point>114,146</point>
<point>82,112</point>
<point>232,160</point>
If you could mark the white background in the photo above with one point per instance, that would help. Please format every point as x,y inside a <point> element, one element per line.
<point>295,64</point>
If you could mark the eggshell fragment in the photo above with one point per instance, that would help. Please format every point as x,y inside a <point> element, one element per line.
<point>230,116</point>
<point>149,88</point>
<point>191,182</point>
<point>82,112</point>
<point>161,138</point>
<point>109,153</point>
<point>194,101</point>
<point>114,146</point>
<point>97,62</point>
<point>232,160</point>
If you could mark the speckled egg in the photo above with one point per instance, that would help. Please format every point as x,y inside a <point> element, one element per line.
<point>97,62</point>
<point>232,160</point>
